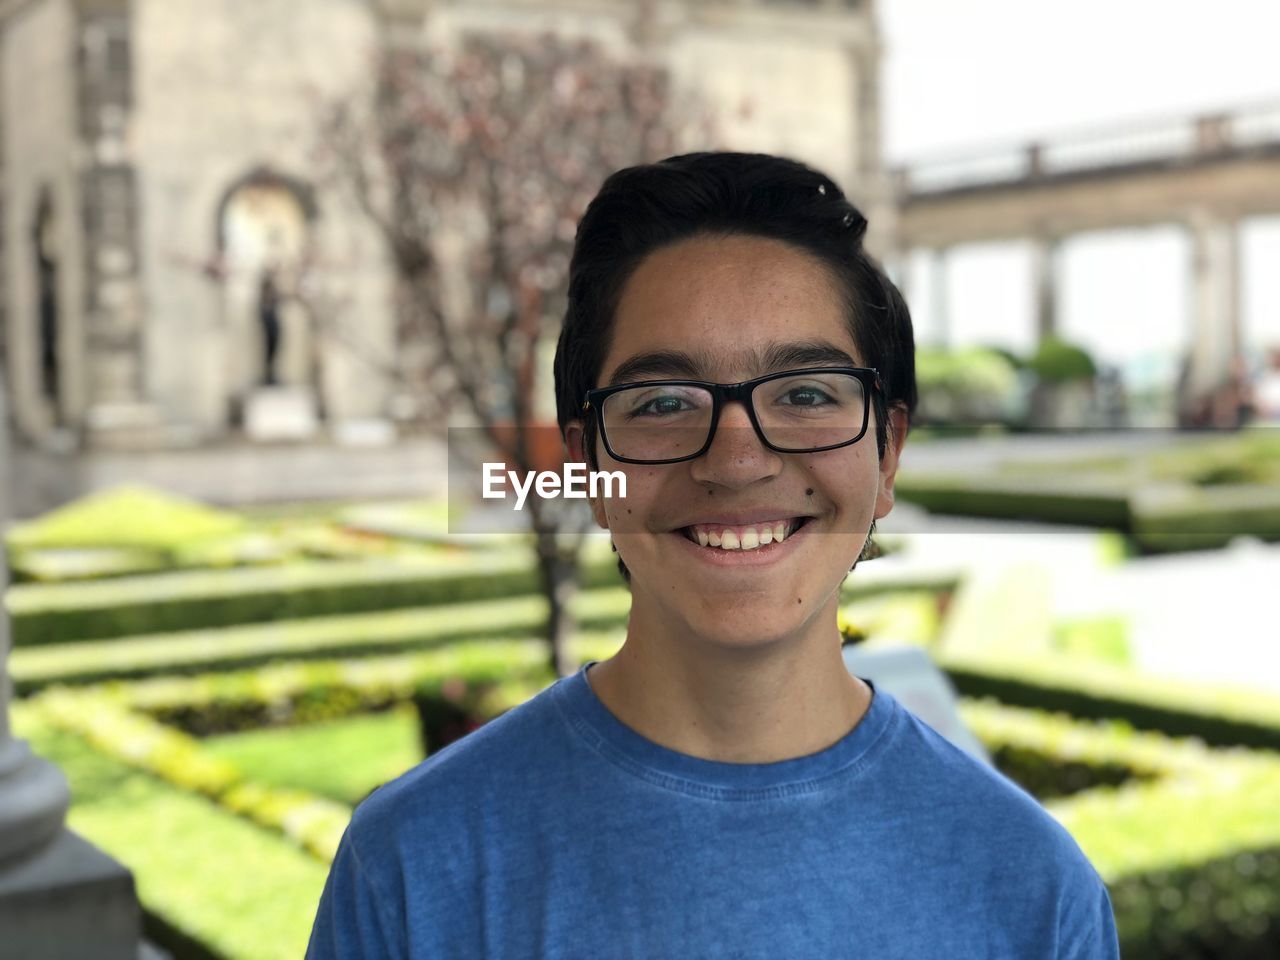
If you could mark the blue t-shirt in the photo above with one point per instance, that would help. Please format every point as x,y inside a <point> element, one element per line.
<point>557,831</point>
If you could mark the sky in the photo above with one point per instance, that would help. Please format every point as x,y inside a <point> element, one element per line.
<point>994,73</point>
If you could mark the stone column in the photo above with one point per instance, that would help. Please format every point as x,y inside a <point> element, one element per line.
<point>1215,265</point>
<point>1044,277</point>
<point>33,792</point>
<point>59,895</point>
<point>898,265</point>
<point>865,59</point>
<point>118,412</point>
<point>938,295</point>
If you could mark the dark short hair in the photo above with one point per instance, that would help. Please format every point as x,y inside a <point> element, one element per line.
<point>644,208</point>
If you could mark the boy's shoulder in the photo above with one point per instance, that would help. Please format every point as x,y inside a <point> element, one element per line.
<point>978,807</point>
<point>457,778</point>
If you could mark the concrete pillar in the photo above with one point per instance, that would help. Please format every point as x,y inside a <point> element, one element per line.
<point>1215,277</point>
<point>59,895</point>
<point>1044,279</point>
<point>938,296</point>
<point>865,59</point>
<point>33,792</point>
<point>898,266</point>
<point>118,412</point>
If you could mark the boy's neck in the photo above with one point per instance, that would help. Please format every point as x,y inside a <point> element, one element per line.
<point>756,712</point>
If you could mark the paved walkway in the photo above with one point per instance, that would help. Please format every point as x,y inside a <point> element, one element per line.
<point>236,473</point>
<point>1208,615</point>
<point>981,453</point>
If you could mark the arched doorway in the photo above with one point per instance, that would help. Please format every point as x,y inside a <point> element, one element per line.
<point>264,236</point>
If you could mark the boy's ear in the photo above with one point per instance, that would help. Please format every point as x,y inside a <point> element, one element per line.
<point>889,462</point>
<point>573,439</point>
<point>575,452</point>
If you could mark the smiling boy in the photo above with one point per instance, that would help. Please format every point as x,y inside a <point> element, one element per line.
<point>722,786</point>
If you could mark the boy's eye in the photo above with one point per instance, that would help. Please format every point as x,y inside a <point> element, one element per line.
<point>809,397</point>
<point>661,401</point>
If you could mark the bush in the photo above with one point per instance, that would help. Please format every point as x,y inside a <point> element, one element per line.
<point>1056,361</point>
<point>972,384</point>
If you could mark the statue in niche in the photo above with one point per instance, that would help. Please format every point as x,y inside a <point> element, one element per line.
<point>269,316</point>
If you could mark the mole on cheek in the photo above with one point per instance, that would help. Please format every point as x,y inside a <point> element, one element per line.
<point>809,492</point>
<point>798,600</point>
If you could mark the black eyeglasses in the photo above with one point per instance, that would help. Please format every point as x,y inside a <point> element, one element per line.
<point>795,411</point>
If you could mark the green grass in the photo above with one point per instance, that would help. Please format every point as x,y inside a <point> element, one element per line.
<point>360,752</point>
<point>1103,638</point>
<point>242,890</point>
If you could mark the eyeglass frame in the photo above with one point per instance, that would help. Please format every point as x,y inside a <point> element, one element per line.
<point>724,393</point>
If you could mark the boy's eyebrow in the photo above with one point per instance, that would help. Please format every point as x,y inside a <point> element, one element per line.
<point>779,355</point>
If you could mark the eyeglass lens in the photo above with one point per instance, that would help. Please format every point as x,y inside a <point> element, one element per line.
<point>799,413</point>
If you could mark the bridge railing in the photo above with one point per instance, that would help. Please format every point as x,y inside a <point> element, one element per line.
<point>1183,139</point>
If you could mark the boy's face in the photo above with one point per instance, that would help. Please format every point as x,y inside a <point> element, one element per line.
<point>725,298</point>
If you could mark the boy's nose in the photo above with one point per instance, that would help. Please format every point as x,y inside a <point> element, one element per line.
<point>737,455</point>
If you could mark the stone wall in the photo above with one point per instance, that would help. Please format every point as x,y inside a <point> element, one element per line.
<point>794,78</point>
<point>156,112</point>
<point>784,77</point>
<point>37,57</point>
<point>227,89</point>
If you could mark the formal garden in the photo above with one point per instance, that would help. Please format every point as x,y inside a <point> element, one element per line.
<point>223,687</point>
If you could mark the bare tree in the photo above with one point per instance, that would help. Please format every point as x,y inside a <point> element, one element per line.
<point>492,149</point>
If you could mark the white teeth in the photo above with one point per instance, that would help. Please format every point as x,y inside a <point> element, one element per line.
<point>750,539</point>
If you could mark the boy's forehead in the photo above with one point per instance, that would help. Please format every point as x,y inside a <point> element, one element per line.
<point>702,362</point>
<point>727,308</point>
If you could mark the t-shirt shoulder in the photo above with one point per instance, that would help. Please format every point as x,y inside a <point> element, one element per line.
<point>1001,813</point>
<point>455,777</point>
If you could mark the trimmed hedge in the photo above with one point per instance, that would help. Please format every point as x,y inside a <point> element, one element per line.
<point>126,516</point>
<point>1219,714</point>
<point>1165,861</point>
<point>1188,843</point>
<point>84,563</point>
<point>1067,499</point>
<point>364,634</point>
<point>211,885</point>
<point>44,614</point>
<point>314,823</point>
<point>1227,907</point>
<point>379,632</point>
<point>112,719</point>
<point>298,693</point>
<point>1201,518</point>
<point>1188,497</point>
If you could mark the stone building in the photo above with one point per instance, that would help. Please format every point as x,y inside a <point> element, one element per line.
<point>155,160</point>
